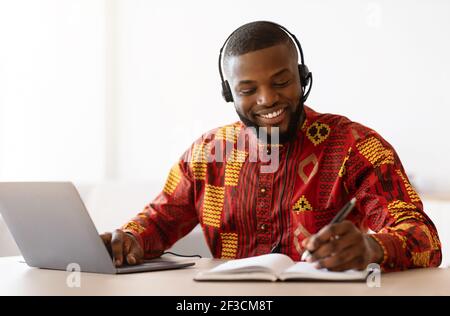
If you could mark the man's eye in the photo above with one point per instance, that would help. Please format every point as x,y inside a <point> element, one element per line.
<point>247,91</point>
<point>282,84</point>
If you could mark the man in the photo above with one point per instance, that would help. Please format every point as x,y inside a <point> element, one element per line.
<point>323,160</point>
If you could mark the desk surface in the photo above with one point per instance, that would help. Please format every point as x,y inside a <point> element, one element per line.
<point>17,278</point>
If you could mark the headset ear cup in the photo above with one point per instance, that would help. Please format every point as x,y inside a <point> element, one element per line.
<point>226,91</point>
<point>304,75</point>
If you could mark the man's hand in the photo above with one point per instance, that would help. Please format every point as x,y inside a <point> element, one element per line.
<point>123,246</point>
<point>342,246</point>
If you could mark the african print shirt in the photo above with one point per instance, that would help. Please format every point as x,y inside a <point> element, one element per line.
<point>244,210</point>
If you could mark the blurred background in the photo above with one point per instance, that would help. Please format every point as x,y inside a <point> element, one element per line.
<point>109,93</point>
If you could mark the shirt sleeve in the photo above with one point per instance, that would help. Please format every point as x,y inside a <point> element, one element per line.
<point>169,217</point>
<point>390,206</point>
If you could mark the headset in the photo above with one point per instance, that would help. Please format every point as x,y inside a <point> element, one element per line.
<point>305,75</point>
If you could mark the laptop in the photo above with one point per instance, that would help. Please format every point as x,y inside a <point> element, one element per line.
<point>53,230</point>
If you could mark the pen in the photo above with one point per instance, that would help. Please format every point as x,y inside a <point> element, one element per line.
<point>340,216</point>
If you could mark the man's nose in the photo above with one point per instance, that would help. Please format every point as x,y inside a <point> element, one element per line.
<point>267,97</point>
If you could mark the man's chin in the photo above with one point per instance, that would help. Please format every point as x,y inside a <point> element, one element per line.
<point>274,137</point>
<point>277,130</point>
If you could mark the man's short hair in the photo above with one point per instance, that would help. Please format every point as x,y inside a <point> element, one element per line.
<point>254,36</point>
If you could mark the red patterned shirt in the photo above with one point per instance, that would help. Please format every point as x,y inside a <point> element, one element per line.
<point>245,211</point>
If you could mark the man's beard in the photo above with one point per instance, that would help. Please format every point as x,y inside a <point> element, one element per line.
<point>294,122</point>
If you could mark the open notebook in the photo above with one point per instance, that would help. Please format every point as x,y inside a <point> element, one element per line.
<point>273,267</point>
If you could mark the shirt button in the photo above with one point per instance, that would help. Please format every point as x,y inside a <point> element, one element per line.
<point>263,227</point>
<point>263,190</point>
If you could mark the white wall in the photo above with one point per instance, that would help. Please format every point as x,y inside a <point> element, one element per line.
<point>52,90</point>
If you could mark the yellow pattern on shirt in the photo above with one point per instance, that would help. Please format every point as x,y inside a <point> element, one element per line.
<point>233,167</point>
<point>173,180</point>
<point>213,205</point>
<point>374,151</point>
<point>229,245</point>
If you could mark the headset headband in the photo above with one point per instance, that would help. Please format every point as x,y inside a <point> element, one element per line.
<point>293,37</point>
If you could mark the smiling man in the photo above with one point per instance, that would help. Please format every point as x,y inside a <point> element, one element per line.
<point>324,160</point>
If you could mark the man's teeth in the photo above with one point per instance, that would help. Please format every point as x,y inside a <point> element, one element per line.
<point>273,114</point>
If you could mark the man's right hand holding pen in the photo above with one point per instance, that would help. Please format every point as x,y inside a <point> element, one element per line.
<point>341,246</point>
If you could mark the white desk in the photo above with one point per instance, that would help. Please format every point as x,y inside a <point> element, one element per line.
<point>19,279</point>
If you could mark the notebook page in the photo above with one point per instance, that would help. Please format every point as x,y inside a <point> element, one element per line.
<point>270,262</point>
<point>307,270</point>
<point>259,276</point>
